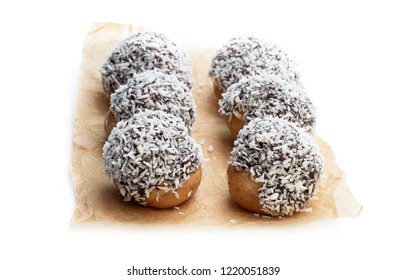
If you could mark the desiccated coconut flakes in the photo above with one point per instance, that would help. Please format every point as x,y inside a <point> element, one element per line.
<point>257,96</point>
<point>247,55</point>
<point>284,158</point>
<point>140,52</point>
<point>150,150</point>
<point>154,90</point>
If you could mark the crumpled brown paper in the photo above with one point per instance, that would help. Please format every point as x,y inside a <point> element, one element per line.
<point>99,200</point>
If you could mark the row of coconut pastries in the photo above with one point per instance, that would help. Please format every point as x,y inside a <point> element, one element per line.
<point>275,164</point>
<point>149,153</point>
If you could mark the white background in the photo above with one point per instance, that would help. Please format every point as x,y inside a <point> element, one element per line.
<point>352,60</point>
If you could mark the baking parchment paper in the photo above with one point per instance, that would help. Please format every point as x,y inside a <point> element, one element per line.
<point>98,200</point>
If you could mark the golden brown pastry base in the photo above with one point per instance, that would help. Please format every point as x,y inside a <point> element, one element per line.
<point>235,125</point>
<point>217,91</point>
<point>109,123</point>
<point>167,199</point>
<point>243,190</point>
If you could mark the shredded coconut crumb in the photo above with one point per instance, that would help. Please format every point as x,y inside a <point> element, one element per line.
<point>154,90</point>
<point>210,148</point>
<point>284,158</point>
<point>263,95</point>
<point>247,55</point>
<point>306,210</point>
<point>144,51</point>
<point>150,150</point>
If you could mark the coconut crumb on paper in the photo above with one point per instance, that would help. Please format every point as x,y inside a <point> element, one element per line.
<point>98,200</point>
